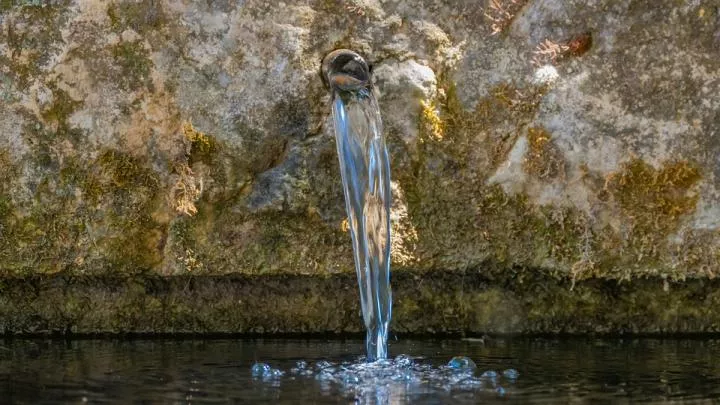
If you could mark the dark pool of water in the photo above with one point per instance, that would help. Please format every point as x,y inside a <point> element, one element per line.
<point>219,371</point>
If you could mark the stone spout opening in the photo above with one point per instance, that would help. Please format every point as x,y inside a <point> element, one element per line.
<point>345,70</point>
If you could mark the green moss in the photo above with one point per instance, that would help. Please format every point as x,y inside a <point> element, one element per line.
<point>61,108</point>
<point>699,255</point>
<point>42,237</point>
<point>141,16</point>
<point>119,171</point>
<point>271,243</point>
<point>655,199</point>
<point>39,236</point>
<point>6,204</point>
<point>432,302</point>
<point>112,228</point>
<point>134,64</point>
<point>56,116</point>
<point>430,123</point>
<point>653,202</point>
<point>462,221</point>
<point>448,129</point>
<point>127,193</point>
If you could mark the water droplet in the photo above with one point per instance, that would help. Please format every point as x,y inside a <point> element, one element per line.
<point>301,365</point>
<point>403,360</point>
<point>260,369</point>
<point>511,374</point>
<point>462,363</point>
<point>350,378</point>
<point>324,376</point>
<point>500,391</point>
<point>323,364</point>
<point>470,383</point>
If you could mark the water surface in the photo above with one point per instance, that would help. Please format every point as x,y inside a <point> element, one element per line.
<point>219,371</point>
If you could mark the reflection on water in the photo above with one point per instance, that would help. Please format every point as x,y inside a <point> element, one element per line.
<point>329,372</point>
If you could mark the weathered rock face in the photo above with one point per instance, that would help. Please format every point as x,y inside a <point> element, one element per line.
<point>578,139</point>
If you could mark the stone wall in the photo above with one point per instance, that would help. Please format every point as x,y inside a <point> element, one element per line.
<point>575,141</point>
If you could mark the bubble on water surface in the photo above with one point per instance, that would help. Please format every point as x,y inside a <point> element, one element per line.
<point>511,374</point>
<point>403,360</point>
<point>260,369</point>
<point>264,371</point>
<point>462,363</point>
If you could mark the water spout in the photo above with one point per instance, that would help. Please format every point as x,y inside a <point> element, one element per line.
<point>365,171</point>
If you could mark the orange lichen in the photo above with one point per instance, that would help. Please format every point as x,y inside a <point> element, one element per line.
<point>552,52</point>
<point>543,159</point>
<point>501,13</point>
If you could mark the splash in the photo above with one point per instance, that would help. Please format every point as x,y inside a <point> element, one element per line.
<point>397,380</point>
<point>365,171</point>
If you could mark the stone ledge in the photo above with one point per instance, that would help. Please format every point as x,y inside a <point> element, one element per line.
<point>428,303</point>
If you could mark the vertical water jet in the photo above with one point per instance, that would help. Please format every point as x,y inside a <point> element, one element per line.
<point>365,172</point>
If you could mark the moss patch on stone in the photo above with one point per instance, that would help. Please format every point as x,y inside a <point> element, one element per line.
<point>455,212</point>
<point>6,204</point>
<point>133,64</point>
<point>461,220</point>
<point>140,16</point>
<point>654,199</point>
<point>271,243</point>
<point>542,159</point>
<point>227,236</point>
<point>433,302</point>
<point>83,216</point>
<point>464,130</point>
<point>127,192</point>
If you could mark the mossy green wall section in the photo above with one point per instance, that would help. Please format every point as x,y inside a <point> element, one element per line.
<point>574,142</point>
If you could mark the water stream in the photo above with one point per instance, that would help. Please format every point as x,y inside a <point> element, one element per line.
<point>365,171</point>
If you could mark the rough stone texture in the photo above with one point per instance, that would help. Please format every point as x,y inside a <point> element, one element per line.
<point>573,140</point>
<point>425,303</point>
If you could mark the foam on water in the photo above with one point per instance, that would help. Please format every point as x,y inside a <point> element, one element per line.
<point>402,377</point>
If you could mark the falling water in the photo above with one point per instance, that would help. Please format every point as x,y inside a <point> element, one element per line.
<point>365,169</point>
